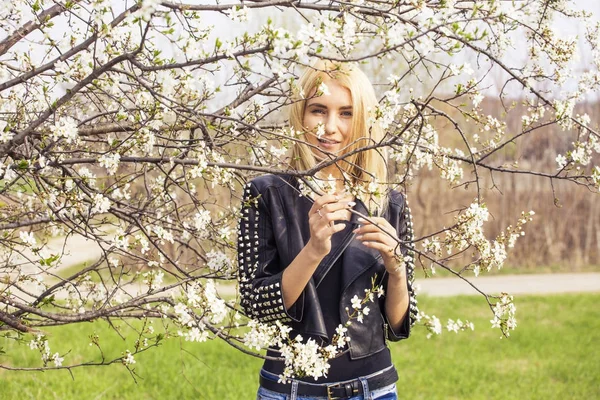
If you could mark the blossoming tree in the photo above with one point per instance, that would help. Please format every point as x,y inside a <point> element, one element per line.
<point>136,125</point>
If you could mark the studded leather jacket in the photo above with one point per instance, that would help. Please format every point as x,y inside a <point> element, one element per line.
<point>274,228</point>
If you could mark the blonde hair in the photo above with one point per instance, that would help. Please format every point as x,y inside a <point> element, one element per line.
<point>363,167</point>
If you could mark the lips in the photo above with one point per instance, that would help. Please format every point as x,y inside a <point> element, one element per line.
<point>328,144</point>
<point>327,141</point>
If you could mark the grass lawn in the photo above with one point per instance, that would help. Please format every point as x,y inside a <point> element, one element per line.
<point>553,354</point>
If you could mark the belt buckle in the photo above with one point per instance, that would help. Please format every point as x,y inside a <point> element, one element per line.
<point>329,394</point>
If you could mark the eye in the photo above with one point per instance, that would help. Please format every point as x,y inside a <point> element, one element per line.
<point>317,111</point>
<point>346,113</point>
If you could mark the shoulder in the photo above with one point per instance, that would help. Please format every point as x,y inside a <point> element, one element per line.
<point>265,182</point>
<point>283,185</point>
<point>397,200</point>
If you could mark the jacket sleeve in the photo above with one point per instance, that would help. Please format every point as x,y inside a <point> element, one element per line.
<point>404,230</point>
<point>260,269</point>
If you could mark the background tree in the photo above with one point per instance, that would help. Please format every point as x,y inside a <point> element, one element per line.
<point>136,125</point>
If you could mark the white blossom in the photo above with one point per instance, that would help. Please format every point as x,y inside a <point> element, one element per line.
<point>477,99</point>
<point>561,160</point>
<point>128,359</point>
<point>100,204</point>
<point>238,14</point>
<point>57,359</point>
<point>323,90</point>
<point>219,262</point>
<point>28,239</point>
<point>356,302</point>
<point>110,161</point>
<point>320,132</point>
<point>65,128</point>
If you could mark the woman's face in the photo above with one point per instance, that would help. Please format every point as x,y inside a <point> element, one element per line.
<point>328,120</point>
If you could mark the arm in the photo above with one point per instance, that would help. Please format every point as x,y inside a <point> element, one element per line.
<point>324,212</point>
<point>397,298</point>
<point>268,289</point>
<point>400,301</point>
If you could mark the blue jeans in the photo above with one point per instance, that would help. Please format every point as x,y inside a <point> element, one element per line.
<point>384,393</point>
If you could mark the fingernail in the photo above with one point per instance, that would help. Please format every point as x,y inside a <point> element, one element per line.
<point>351,204</point>
<point>361,219</point>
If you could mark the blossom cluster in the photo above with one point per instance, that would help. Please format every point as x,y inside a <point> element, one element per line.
<point>306,357</point>
<point>468,232</point>
<point>40,342</point>
<point>504,314</point>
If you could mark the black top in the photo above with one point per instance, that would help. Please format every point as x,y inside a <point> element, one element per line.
<point>342,367</point>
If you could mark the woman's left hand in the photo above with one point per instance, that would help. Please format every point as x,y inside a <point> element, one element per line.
<point>380,235</point>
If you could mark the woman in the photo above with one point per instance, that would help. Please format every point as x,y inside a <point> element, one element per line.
<point>302,260</point>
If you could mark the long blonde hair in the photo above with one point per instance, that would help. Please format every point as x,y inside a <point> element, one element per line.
<point>362,167</point>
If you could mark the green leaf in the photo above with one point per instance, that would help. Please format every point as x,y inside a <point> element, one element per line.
<point>48,261</point>
<point>459,88</point>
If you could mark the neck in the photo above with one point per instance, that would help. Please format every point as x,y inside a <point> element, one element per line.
<point>331,170</point>
<point>334,172</point>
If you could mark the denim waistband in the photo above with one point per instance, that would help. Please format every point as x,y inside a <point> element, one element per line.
<point>275,378</point>
<point>338,390</point>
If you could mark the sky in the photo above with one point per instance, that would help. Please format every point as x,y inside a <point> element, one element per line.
<point>226,29</point>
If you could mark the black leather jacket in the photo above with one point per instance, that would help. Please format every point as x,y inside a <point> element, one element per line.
<point>274,228</point>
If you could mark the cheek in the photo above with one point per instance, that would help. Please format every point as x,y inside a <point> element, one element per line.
<point>310,121</point>
<point>347,127</point>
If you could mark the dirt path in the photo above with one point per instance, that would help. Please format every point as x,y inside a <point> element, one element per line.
<point>74,250</point>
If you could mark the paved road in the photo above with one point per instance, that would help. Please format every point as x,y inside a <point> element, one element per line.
<point>513,284</point>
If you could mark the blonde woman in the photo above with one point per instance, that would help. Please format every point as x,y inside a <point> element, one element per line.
<point>303,259</point>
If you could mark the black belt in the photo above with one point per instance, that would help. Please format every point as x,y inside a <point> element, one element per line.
<point>335,391</point>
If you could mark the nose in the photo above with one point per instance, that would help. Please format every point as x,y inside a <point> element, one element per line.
<point>331,124</point>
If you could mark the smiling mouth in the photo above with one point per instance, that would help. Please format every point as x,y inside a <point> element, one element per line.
<point>327,141</point>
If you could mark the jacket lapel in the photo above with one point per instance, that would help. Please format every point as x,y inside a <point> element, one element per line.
<point>357,257</point>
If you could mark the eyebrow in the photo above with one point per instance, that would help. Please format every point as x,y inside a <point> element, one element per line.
<point>319,105</point>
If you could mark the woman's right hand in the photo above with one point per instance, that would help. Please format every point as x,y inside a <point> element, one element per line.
<point>322,215</point>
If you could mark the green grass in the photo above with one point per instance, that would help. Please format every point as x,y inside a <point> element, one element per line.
<point>553,354</point>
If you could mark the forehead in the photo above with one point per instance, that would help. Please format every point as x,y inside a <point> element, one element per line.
<point>338,97</point>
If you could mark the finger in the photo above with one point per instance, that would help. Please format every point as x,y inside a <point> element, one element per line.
<point>339,205</point>
<point>376,237</point>
<point>324,218</point>
<point>321,201</point>
<point>341,215</point>
<point>389,231</point>
<point>335,228</point>
<point>324,232</point>
<point>381,247</point>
